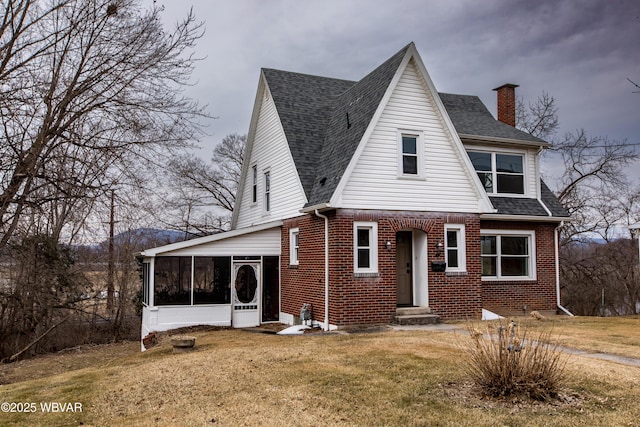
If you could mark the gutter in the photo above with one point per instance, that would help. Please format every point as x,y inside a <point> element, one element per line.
<point>326,268</point>
<point>557,254</point>
<point>315,208</point>
<point>502,141</point>
<point>529,218</point>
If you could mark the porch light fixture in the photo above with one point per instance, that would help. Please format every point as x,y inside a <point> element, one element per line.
<point>439,247</point>
<point>388,245</point>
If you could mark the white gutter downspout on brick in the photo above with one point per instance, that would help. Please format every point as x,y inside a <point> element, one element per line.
<point>326,269</point>
<point>557,249</point>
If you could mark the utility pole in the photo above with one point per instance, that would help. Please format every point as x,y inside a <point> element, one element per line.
<point>635,232</point>
<point>110,272</point>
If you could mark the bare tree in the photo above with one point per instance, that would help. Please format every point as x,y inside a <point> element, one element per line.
<point>90,100</point>
<point>91,87</point>
<point>593,181</point>
<point>203,194</point>
<point>601,201</point>
<point>540,118</point>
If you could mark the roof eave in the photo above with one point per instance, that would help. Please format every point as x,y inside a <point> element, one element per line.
<point>495,139</point>
<point>253,124</point>
<point>530,218</point>
<point>317,207</point>
<point>207,239</point>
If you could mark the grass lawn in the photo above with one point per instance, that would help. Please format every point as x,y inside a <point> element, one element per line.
<point>403,378</point>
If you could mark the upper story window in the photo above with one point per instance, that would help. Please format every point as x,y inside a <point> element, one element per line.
<point>267,191</point>
<point>365,253</point>
<point>410,155</point>
<point>507,255</point>
<point>455,251</point>
<point>500,173</point>
<point>254,185</point>
<point>294,246</point>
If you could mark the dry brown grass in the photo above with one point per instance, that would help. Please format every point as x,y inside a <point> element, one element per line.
<point>238,378</point>
<point>619,335</point>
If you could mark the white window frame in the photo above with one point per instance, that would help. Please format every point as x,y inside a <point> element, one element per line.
<point>494,172</point>
<point>254,184</point>
<point>459,229</point>
<point>419,154</point>
<point>266,195</point>
<point>294,246</point>
<point>531,235</point>
<point>372,227</point>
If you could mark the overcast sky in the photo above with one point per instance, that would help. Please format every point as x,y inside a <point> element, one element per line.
<point>580,52</point>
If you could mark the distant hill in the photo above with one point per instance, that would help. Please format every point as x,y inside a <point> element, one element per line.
<point>149,237</point>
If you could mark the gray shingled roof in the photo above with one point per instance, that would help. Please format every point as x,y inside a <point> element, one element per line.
<point>350,117</point>
<point>304,104</point>
<point>530,207</point>
<point>324,120</point>
<point>518,206</point>
<point>551,201</point>
<point>471,117</point>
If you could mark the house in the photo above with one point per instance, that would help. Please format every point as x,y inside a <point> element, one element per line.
<point>361,197</point>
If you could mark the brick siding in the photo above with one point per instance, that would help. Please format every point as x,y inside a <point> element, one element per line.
<point>370,300</point>
<point>511,297</point>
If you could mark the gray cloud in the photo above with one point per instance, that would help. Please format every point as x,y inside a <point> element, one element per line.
<point>581,52</point>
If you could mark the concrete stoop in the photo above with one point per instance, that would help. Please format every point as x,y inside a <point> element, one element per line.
<point>415,316</point>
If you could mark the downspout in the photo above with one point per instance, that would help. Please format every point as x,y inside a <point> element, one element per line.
<point>556,240</point>
<point>326,269</point>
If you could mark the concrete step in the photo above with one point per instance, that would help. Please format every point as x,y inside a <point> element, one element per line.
<point>412,311</point>
<point>417,319</point>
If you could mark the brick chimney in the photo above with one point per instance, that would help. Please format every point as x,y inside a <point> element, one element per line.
<point>507,103</point>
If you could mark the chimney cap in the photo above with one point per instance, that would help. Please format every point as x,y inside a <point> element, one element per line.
<point>509,85</point>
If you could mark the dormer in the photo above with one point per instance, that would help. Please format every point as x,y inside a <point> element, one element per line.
<point>505,158</point>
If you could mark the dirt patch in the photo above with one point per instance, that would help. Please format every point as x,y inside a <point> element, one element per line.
<point>469,394</point>
<point>367,329</point>
<point>267,328</point>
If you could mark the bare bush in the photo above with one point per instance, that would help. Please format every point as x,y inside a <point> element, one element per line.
<point>511,361</point>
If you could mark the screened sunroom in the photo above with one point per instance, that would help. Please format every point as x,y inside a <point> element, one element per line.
<point>226,279</point>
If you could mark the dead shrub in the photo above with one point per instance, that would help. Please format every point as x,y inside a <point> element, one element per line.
<point>508,360</point>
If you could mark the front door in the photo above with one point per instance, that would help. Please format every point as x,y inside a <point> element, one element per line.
<point>246,293</point>
<point>404,268</point>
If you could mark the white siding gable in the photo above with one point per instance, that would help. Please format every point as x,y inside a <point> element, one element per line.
<point>269,151</point>
<point>446,184</point>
